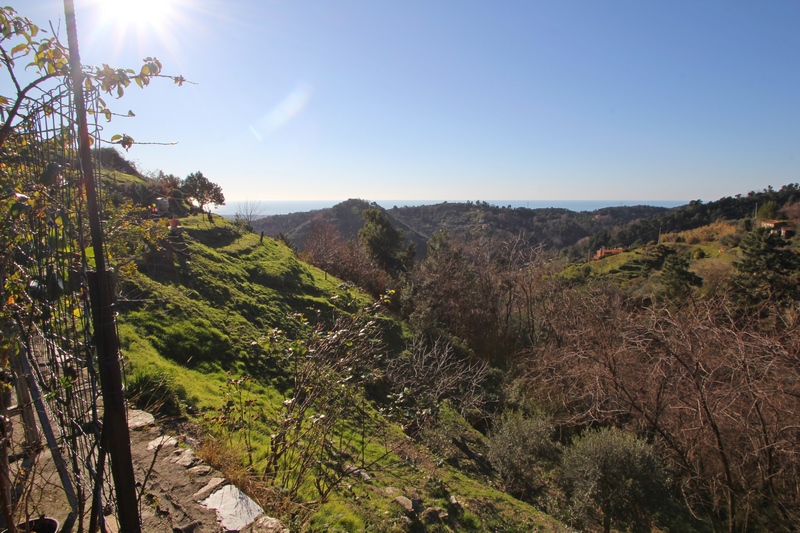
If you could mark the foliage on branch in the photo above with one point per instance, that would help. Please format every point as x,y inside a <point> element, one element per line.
<point>48,60</point>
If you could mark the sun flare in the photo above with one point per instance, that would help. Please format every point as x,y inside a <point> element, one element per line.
<point>138,13</point>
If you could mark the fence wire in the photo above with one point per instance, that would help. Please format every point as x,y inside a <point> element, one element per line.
<point>53,257</point>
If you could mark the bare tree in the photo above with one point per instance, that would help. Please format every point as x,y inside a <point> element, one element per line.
<point>719,398</point>
<point>249,211</point>
<point>425,375</point>
<point>327,249</point>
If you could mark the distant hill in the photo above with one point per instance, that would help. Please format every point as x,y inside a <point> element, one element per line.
<point>696,214</point>
<point>346,216</point>
<point>553,227</point>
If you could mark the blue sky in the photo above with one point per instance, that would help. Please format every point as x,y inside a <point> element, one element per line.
<point>458,100</point>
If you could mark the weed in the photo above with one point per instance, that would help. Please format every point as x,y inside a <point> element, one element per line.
<point>156,392</point>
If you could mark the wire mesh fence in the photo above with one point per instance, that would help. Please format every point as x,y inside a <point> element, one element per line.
<point>46,316</point>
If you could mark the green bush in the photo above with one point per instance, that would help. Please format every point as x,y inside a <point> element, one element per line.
<point>521,450</point>
<point>616,478</point>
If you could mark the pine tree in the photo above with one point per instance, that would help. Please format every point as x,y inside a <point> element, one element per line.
<point>767,271</point>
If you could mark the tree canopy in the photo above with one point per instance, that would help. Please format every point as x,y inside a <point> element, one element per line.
<point>203,191</point>
<point>382,241</point>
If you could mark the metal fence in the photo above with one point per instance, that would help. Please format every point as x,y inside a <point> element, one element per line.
<point>58,409</point>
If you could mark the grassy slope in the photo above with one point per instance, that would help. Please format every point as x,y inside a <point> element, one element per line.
<point>224,289</point>
<point>639,271</point>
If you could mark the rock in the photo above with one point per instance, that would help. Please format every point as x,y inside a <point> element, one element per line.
<point>139,419</point>
<point>235,510</point>
<point>164,441</point>
<point>434,515</point>
<point>454,501</point>
<point>405,503</point>
<point>185,457</point>
<point>212,484</point>
<point>199,470</point>
<point>191,527</point>
<point>192,443</point>
<point>354,470</point>
<point>266,524</point>
<point>390,491</point>
<point>409,506</point>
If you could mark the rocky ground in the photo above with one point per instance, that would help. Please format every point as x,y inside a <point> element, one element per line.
<point>181,493</point>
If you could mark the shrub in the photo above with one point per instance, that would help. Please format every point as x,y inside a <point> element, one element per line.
<point>521,449</point>
<point>155,392</point>
<point>730,241</point>
<point>615,476</point>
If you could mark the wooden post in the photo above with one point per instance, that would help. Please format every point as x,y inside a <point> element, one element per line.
<point>104,328</point>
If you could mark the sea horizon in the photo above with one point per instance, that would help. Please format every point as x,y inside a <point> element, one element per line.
<point>284,207</point>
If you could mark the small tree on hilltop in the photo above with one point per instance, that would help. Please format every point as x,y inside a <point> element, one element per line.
<point>203,191</point>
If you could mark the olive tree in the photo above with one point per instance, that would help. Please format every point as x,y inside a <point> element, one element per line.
<point>617,476</point>
<point>521,449</point>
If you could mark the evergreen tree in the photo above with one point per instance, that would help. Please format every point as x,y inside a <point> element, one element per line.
<point>677,278</point>
<point>768,211</point>
<point>767,271</point>
<point>381,240</point>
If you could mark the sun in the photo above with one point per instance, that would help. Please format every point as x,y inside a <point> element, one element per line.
<point>134,27</point>
<point>140,14</point>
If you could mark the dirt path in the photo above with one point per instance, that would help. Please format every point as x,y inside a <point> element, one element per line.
<point>174,480</point>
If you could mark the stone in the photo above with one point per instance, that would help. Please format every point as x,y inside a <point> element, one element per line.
<point>185,457</point>
<point>405,503</point>
<point>235,510</point>
<point>212,484</point>
<point>434,515</point>
<point>360,472</point>
<point>191,527</point>
<point>139,419</point>
<point>199,470</point>
<point>164,441</point>
<point>266,524</point>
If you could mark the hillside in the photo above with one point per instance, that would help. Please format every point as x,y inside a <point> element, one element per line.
<point>697,214</point>
<point>491,365</point>
<point>576,233</point>
<point>491,385</point>
<point>200,310</point>
<point>556,228</point>
<point>346,217</point>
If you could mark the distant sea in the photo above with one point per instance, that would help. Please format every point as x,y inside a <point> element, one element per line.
<point>272,207</point>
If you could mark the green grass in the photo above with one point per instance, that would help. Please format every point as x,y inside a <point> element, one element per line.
<point>195,322</point>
